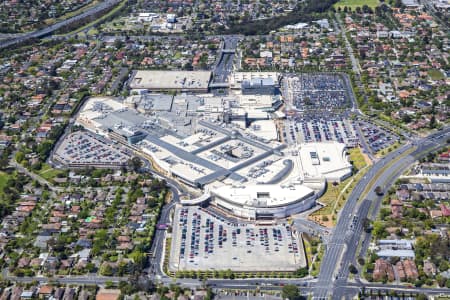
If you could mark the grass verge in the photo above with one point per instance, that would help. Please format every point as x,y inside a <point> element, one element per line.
<point>48,173</point>
<point>335,195</point>
<point>99,20</point>
<point>375,178</point>
<point>387,150</point>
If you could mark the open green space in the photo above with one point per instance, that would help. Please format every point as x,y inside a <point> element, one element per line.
<point>3,180</point>
<point>48,173</point>
<point>330,197</point>
<point>436,74</point>
<point>97,21</point>
<point>335,195</point>
<point>356,3</point>
<point>357,158</point>
<point>71,13</point>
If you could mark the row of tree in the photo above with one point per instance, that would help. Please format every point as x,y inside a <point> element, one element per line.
<point>306,11</point>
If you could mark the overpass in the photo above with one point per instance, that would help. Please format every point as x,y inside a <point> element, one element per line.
<point>219,85</point>
<point>196,201</point>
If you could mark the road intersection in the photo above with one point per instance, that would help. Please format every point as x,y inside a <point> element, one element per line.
<point>341,250</point>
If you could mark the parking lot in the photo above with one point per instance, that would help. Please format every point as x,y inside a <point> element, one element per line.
<point>304,130</point>
<point>84,148</point>
<point>326,92</point>
<point>203,241</point>
<point>376,137</point>
<point>230,153</point>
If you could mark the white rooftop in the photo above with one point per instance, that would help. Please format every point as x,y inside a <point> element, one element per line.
<point>96,107</point>
<point>395,253</point>
<point>324,159</point>
<point>170,80</point>
<point>263,195</point>
<point>256,101</point>
<point>265,129</point>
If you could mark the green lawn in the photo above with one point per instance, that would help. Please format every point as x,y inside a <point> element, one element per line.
<point>3,179</point>
<point>436,74</point>
<point>356,3</point>
<point>104,17</point>
<point>357,158</point>
<point>48,173</point>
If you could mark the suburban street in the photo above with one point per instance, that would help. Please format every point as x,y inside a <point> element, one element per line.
<point>113,104</point>
<point>344,237</point>
<point>336,259</point>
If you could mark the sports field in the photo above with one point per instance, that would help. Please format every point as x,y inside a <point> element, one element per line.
<point>353,4</point>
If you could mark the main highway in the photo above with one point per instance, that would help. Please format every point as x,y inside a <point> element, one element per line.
<point>341,250</point>
<point>341,247</point>
<point>102,6</point>
<point>344,240</point>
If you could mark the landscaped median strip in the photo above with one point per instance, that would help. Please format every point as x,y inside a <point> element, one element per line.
<point>375,178</point>
<point>99,20</point>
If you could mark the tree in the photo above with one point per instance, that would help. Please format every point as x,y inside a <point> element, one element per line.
<point>432,122</point>
<point>378,229</point>
<point>106,270</point>
<point>20,156</point>
<point>361,261</point>
<point>379,190</point>
<point>138,257</point>
<point>302,272</point>
<point>352,269</point>
<point>290,292</point>
<point>443,266</point>
<point>135,163</point>
<point>209,294</point>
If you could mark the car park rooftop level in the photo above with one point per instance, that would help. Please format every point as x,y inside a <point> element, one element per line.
<point>194,81</point>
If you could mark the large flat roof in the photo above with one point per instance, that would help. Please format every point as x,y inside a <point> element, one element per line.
<point>98,107</point>
<point>238,77</point>
<point>171,80</point>
<point>324,159</point>
<point>264,195</point>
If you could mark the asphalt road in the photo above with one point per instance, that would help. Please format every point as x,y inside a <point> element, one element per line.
<point>341,250</point>
<point>353,59</point>
<point>312,228</point>
<point>225,63</point>
<point>50,29</point>
<point>79,280</point>
<point>157,259</point>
